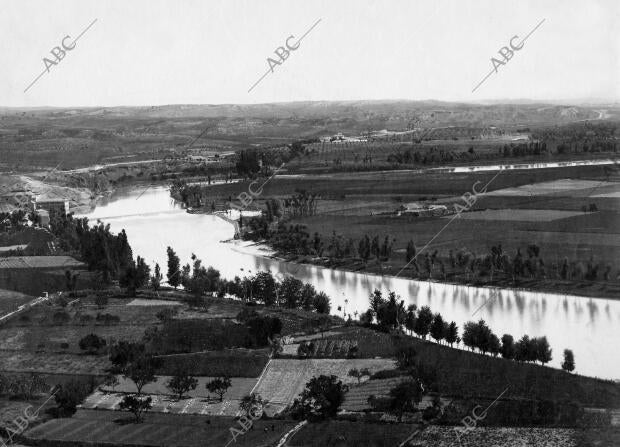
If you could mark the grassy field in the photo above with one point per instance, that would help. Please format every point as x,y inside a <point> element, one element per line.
<point>113,428</point>
<point>236,363</point>
<point>52,362</point>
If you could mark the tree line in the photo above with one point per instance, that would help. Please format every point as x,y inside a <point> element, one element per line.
<point>389,314</point>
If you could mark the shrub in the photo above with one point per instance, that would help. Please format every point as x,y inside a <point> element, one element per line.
<point>92,343</point>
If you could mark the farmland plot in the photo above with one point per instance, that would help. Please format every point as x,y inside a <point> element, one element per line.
<point>357,397</point>
<point>157,430</point>
<point>198,401</point>
<point>284,379</point>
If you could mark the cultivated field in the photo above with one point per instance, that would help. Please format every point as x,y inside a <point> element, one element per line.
<point>284,379</point>
<point>198,401</point>
<point>113,428</point>
<point>521,215</point>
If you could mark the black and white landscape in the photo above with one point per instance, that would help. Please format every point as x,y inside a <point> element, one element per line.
<point>328,223</point>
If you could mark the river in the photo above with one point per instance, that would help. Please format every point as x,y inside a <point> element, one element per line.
<point>588,326</point>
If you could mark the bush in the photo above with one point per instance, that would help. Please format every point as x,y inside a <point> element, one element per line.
<point>69,396</point>
<point>92,343</point>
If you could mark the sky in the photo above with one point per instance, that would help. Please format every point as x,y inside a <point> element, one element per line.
<point>156,52</point>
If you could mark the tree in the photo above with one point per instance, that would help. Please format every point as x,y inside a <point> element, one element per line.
<point>410,318</point>
<point>141,371</point>
<point>290,292</point>
<point>69,395</point>
<point>135,276</point>
<point>92,343</point>
<point>410,252</point>
<point>136,405</point>
<point>142,273</point>
<point>252,404</point>
<point>423,322</point>
<point>452,334</point>
<point>508,347</point>
<point>322,303</point>
<point>156,278</point>
<point>437,327</point>
<point>174,272</point>
<point>359,373</point>
<point>264,288</point>
<point>543,350</point>
<point>182,382</point>
<point>405,397</point>
<point>124,352</point>
<point>321,398</point>
<point>568,364</point>
<point>219,386</point>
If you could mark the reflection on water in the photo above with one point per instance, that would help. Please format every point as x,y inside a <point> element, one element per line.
<point>590,327</point>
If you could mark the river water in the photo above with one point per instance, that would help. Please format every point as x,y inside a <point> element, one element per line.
<point>588,326</point>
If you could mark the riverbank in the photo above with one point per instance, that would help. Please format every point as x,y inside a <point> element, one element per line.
<point>497,286</point>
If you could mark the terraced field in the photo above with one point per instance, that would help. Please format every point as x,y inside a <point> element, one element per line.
<point>284,379</point>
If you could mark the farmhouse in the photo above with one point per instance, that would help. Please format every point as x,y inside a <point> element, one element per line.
<point>423,210</point>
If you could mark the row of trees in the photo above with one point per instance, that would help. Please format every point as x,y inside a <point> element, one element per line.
<point>261,287</point>
<point>390,314</point>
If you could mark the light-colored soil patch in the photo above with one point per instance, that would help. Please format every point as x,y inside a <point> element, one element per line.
<point>522,215</point>
<point>284,379</point>
<point>143,302</point>
<point>552,187</point>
